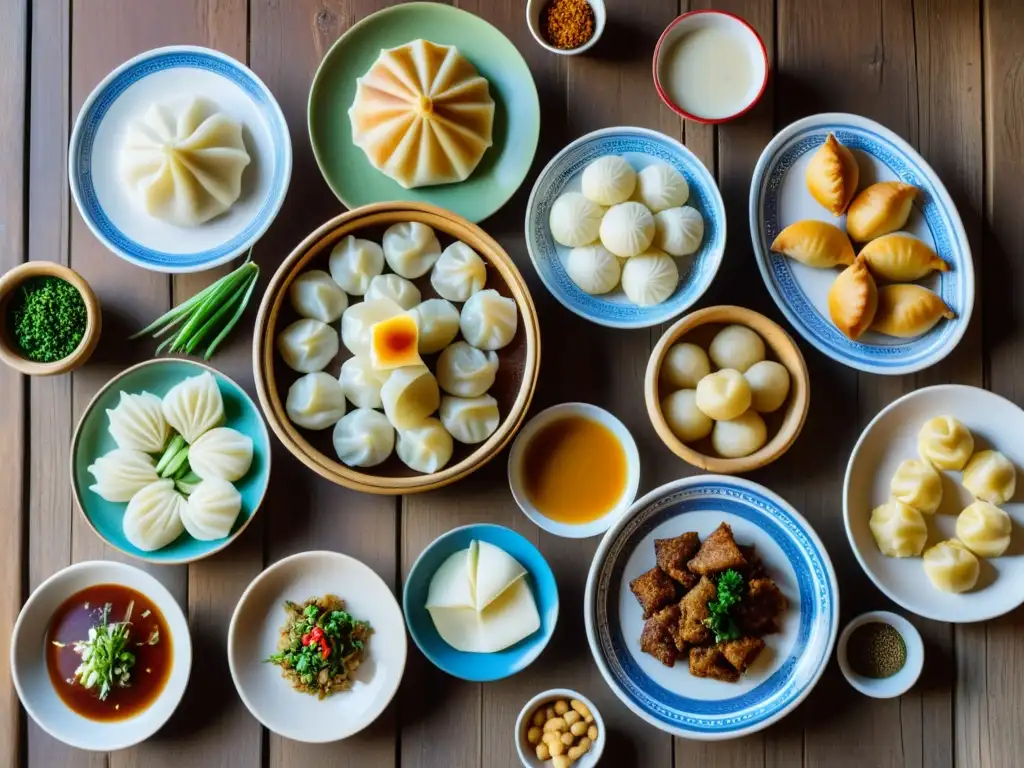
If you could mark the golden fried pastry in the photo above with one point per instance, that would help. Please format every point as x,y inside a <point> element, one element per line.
<point>908,310</point>
<point>853,299</point>
<point>815,243</point>
<point>718,553</point>
<point>654,590</point>
<point>901,258</point>
<point>880,209</point>
<point>673,554</point>
<point>710,662</point>
<point>832,176</point>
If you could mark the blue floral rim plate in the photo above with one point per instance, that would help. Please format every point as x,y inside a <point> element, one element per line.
<point>795,658</point>
<point>936,217</point>
<point>640,147</point>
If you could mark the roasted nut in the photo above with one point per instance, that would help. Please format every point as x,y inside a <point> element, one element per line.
<point>584,745</point>
<point>556,724</point>
<point>592,733</point>
<point>556,748</point>
<point>572,716</point>
<point>542,752</point>
<point>538,718</point>
<point>561,761</point>
<point>549,713</point>
<point>568,739</point>
<point>533,735</point>
<point>579,728</point>
<point>549,737</point>
<point>582,708</point>
<point>561,707</point>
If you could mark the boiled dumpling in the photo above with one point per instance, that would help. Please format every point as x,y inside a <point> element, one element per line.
<point>363,438</point>
<point>153,517</point>
<point>358,321</point>
<point>899,529</point>
<point>438,324</point>
<point>316,400</point>
<point>470,419</point>
<point>853,300</point>
<point>736,347</point>
<point>880,209</point>
<point>905,311</point>
<point>427,447</point>
<point>354,263</point>
<point>489,320</point>
<point>945,442</point>
<point>951,567</point>
<point>411,248</point>
<point>575,220</point>
<point>678,231</point>
<point>723,395</point>
<point>687,422</point>
<point>458,273</point>
<point>122,473</point>
<point>593,268</point>
<point>315,294</point>
<point>422,114</point>
<point>661,186</point>
<point>832,175</point>
<point>222,453</point>
<point>394,287</point>
<point>650,278</point>
<point>195,406</point>
<point>183,161</point>
<point>361,383</point>
<point>916,483</point>
<point>409,395</point>
<point>985,529</point>
<point>991,477</point>
<point>627,229</point>
<point>211,510</point>
<point>901,258</point>
<point>466,371</point>
<point>769,385</point>
<point>608,180</point>
<point>684,365</point>
<point>138,423</point>
<point>309,345</point>
<point>815,243</point>
<point>739,437</point>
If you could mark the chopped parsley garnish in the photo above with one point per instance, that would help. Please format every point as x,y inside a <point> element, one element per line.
<point>106,660</point>
<point>720,621</point>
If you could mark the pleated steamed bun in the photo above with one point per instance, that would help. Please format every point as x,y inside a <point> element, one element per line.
<point>660,186</point>
<point>608,180</point>
<point>574,220</point>
<point>650,278</point>
<point>627,229</point>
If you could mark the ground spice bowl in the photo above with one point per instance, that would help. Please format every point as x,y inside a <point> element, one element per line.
<point>9,351</point>
<point>883,687</point>
<point>534,11</point>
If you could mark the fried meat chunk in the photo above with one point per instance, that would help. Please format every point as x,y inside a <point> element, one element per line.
<point>759,611</point>
<point>653,590</point>
<point>711,662</point>
<point>673,554</point>
<point>743,652</point>
<point>659,635</point>
<point>718,553</point>
<point>694,607</point>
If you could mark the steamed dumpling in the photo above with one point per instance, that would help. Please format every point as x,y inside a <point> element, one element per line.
<point>183,161</point>
<point>211,510</point>
<point>308,345</point>
<point>138,423</point>
<point>951,567</point>
<point>723,395</point>
<point>361,382</point>
<point>122,473</point>
<point>627,229</point>
<point>489,320</point>
<point>769,385</point>
<point>427,447</point>
<point>815,243</point>
<point>880,209</point>
<point>684,365</point>
<point>458,273</point>
<point>899,529</point>
<point>736,347</point>
<point>832,176</point>
<point>608,180</point>
<point>358,321</point>
<point>470,420</point>
<point>991,477</point>
<point>901,258</point>
<point>905,311</point>
<point>411,248</point>
<point>985,529</point>
<point>354,263</point>
<point>739,437</point>
<point>315,294</point>
<point>687,422</point>
<point>853,300</point>
<point>678,231</point>
<point>574,220</point>
<point>945,442</point>
<point>153,517</point>
<point>593,268</point>
<point>315,401</point>
<point>363,438</point>
<point>394,287</point>
<point>438,323</point>
<point>466,371</point>
<point>410,395</point>
<point>916,483</point>
<point>195,406</point>
<point>222,453</point>
<point>660,186</point>
<point>650,278</point>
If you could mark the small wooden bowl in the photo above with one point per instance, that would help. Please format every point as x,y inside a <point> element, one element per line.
<point>9,351</point>
<point>784,425</point>
<point>519,362</point>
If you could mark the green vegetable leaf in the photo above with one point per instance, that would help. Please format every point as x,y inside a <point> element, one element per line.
<point>731,587</point>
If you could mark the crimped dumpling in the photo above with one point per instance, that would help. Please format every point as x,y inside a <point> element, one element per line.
<point>905,311</point>
<point>737,347</point>
<point>627,229</point>
<point>815,243</point>
<point>660,186</point>
<point>899,529</point>
<point>608,180</point>
<point>901,258</point>
<point>945,442</point>
<point>315,401</point>
<point>358,321</point>
<point>723,395</point>
<point>410,395</point>
<point>916,483</point>
<point>678,231</point>
<point>650,278</point>
<point>466,371</point>
<point>853,300</point>
<point>951,567</point>
<point>458,273</point>
<point>394,287</point>
<point>222,453</point>
<point>308,345</point>
<point>194,406</point>
<point>991,477</point>
<point>315,294</point>
<point>470,420</point>
<point>985,529</point>
<point>438,324</point>
<point>880,209</point>
<point>593,268</point>
<point>354,263</point>
<point>489,320</point>
<point>211,510</point>
<point>153,517</point>
<point>361,382</point>
<point>138,423</point>
<point>832,175</point>
<point>574,220</point>
<point>363,438</point>
<point>122,473</point>
<point>427,447</point>
<point>411,248</point>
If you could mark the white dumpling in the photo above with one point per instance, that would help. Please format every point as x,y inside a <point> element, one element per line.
<point>899,529</point>
<point>354,263</point>
<point>153,517</point>
<point>361,382</point>
<point>684,418</point>
<point>945,442</point>
<point>466,371</point>
<point>458,273</point>
<point>316,400</point>
<point>684,365</point>
<point>627,229</point>
<point>410,395</point>
<point>222,453</point>
<point>489,320</point>
<point>984,528</point>
<point>194,406</point>
<point>593,268</point>
<point>427,447</point>
<point>470,419</point>
<point>138,423</point>
<point>394,287</point>
<point>608,180</point>
<point>769,385</point>
<point>575,220</point>
<point>410,249</point>
<point>951,567</point>
<point>991,477</point>
<point>211,510</point>
<point>650,278</point>
<point>661,186</point>
<point>736,346</point>
<point>678,231</point>
<point>916,483</point>
<point>358,322</point>
<point>438,323</point>
<point>315,294</point>
<point>122,473</point>
<point>741,436</point>
<point>363,438</point>
<point>308,345</point>
<point>724,394</point>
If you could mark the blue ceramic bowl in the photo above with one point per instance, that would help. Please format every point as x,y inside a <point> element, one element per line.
<point>92,440</point>
<point>480,667</point>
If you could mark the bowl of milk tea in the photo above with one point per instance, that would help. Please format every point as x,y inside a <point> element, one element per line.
<point>710,66</point>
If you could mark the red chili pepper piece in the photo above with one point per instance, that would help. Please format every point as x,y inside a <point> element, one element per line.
<point>306,639</point>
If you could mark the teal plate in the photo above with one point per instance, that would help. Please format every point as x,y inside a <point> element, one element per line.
<point>92,440</point>
<point>516,116</point>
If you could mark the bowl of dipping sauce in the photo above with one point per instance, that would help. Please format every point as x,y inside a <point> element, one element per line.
<point>710,66</point>
<point>574,470</point>
<point>880,654</point>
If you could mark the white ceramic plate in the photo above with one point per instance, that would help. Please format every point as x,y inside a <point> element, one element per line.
<point>890,438</point>
<point>256,626</point>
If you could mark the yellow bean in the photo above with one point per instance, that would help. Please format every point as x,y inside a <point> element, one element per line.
<point>556,748</point>
<point>582,708</point>
<point>542,752</point>
<point>538,718</point>
<point>549,736</point>
<point>561,707</point>
<point>533,735</point>
<point>578,728</point>
<point>549,713</point>
<point>588,719</point>
<point>574,753</point>
<point>556,724</point>
<point>561,761</point>
<point>572,716</point>
<point>584,744</point>
<point>568,739</point>
<point>592,733</point>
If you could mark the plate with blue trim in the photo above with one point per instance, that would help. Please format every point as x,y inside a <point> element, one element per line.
<point>779,197</point>
<point>640,147</point>
<point>165,76</point>
<point>670,698</point>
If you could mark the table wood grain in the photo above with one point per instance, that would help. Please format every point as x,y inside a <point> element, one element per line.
<point>947,75</point>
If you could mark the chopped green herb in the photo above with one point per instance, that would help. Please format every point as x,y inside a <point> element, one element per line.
<point>720,621</point>
<point>106,660</point>
<point>48,319</point>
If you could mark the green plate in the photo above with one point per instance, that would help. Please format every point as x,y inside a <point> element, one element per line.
<point>516,115</point>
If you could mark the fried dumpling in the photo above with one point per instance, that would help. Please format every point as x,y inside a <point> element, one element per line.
<point>901,258</point>
<point>899,529</point>
<point>422,114</point>
<point>908,310</point>
<point>951,567</point>
<point>832,175</point>
<point>945,442</point>
<point>880,209</point>
<point>815,243</point>
<point>853,300</point>
<point>991,477</point>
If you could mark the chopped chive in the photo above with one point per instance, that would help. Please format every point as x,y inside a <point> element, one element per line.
<point>239,311</point>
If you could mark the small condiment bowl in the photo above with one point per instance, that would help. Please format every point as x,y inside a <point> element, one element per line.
<point>32,679</point>
<point>702,19</point>
<point>9,351</point>
<point>527,752</point>
<point>894,685</point>
<point>534,12</point>
<point>517,480</point>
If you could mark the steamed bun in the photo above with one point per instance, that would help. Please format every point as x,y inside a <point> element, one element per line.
<point>723,395</point>
<point>687,422</point>
<point>899,529</point>
<point>736,346</point>
<point>951,567</point>
<point>945,442</point>
<point>735,438</point>
<point>684,365</point>
<point>990,476</point>
<point>984,529</point>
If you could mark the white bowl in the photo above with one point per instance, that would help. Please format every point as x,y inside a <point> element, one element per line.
<point>886,687</point>
<point>32,681</point>
<point>517,482</point>
<point>534,9</point>
<point>256,627</point>
<point>528,754</point>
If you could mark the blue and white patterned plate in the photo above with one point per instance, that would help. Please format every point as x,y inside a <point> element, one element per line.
<point>167,74</point>
<point>670,698</point>
<point>779,197</point>
<point>640,147</point>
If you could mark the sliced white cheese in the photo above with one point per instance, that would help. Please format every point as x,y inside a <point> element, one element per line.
<point>507,620</point>
<point>459,627</point>
<point>450,586</point>
<point>496,571</point>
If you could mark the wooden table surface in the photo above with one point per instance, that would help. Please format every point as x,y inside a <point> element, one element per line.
<point>947,75</point>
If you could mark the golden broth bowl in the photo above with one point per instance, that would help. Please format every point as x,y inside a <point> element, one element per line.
<point>519,362</point>
<point>784,425</point>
